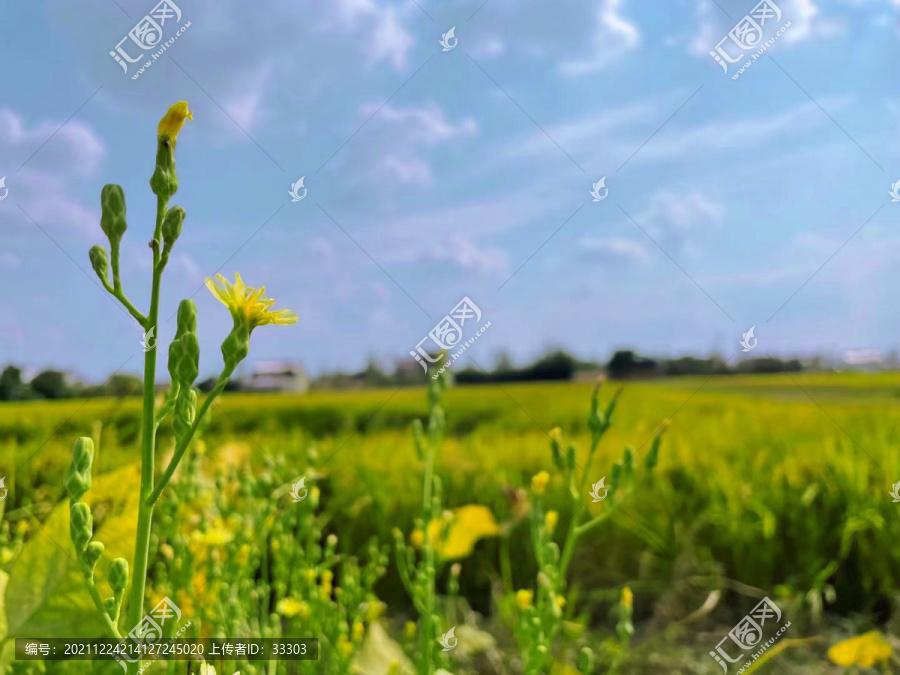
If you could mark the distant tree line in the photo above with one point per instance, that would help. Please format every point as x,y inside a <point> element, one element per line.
<point>555,365</point>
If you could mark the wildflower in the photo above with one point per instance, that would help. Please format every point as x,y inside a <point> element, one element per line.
<point>524,598</point>
<point>627,598</point>
<point>560,601</point>
<point>409,630</point>
<point>345,646</point>
<point>550,520</point>
<point>864,650</point>
<point>455,534</point>
<point>417,538</point>
<point>5,556</point>
<point>325,590</point>
<point>248,305</point>
<point>359,630</point>
<point>539,482</point>
<point>374,609</point>
<point>173,120</point>
<point>289,607</point>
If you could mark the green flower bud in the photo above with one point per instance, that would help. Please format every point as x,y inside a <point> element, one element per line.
<point>81,525</point>
<point>586,661</point>
<point>110,605</point>
<point>164,181</point>
<point>185,407</point>
<point>236,346</point>
<point>118,575</point>
<point>112,218</point>
<point>99,261</point>
<point>92,553</point>
<point>78,480</point>
<point>187,318</point>
<point>628,460</point>
<point>171,227</point>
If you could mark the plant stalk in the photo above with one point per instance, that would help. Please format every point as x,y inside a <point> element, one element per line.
<point>148,443</point>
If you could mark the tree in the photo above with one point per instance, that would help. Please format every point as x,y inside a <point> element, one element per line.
<point>51,384</point>
<point>12,388</point>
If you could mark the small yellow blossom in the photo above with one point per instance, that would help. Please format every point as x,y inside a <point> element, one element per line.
<point>409,630</point>
<point>374,609</point>
<point>310,574</point>
<point>289,607</point>
<point>345,646</point>
<point>248,304</point>
<point>539,482</point>
<point>417,538</point>
<point>5,556</point>
<point>556,434</point>
<point>359,630</point>
<point>524,598</point>
<point>173,120</point>
<point>627,598</point>
<point>550,520</point>
<point>864,650</point>
<point>560,601</point>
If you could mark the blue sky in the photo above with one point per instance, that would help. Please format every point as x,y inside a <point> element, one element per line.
<point>434,175</point>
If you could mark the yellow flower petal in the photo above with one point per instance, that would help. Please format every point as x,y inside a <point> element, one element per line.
<point>173,120</point>
<point>524,598</point>
<point>248,304</point>
<point>456,536</point>
<point>865,650</point>
<point>539,482</point>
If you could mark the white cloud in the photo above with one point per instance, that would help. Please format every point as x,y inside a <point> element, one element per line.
<point>680,221</point>
<point>613,249</point>
<point>613,37</point>
<point>45,186</point>
<point>397,144</point>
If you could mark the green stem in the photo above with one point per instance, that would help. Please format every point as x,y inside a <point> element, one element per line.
<point>182,445</point>
<point>111,627</point>
<point>148,442</point>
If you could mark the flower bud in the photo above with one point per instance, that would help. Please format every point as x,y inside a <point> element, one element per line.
<point>118,575</point>
<point>236,346</point>
<point>81,525</point>
<point>92,554</point>
<point>187,318</point>
<point>78,480</point>
<point>164,181</point>
<point>112,217</point>
<point>111,606</point>
<point>99,261</point>
<point>185,407</point>
<point>171,227</point>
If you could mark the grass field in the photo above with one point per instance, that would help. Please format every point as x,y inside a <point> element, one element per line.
<point>766,485</point>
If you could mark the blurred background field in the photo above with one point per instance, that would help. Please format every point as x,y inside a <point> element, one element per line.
<point>767,484</point>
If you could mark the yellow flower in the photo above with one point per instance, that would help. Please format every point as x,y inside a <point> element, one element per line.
<point>864,650</point>
<point>556,434</point>
<point>560,601</point>
<point>455,534</point>
<point>5,556</point>
<point>550,520</point>
<point>345,646</point>
<point>409,630</point>
<point>289,607</point>
<point>359,630</point>
<point>248,304</point>
<point>524,598</point>
<point>627,598</point>
<point>539,482</point>
<point>173,120</point>
<point>374,609</point>
<point>417,538</point>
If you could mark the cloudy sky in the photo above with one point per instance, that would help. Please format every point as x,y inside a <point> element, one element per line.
<point>434,175</point>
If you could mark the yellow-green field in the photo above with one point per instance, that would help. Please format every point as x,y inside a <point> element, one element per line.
<point>766,485</point>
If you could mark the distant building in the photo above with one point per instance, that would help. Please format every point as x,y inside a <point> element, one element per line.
<point>277,376</point>
<point>863,359</point>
